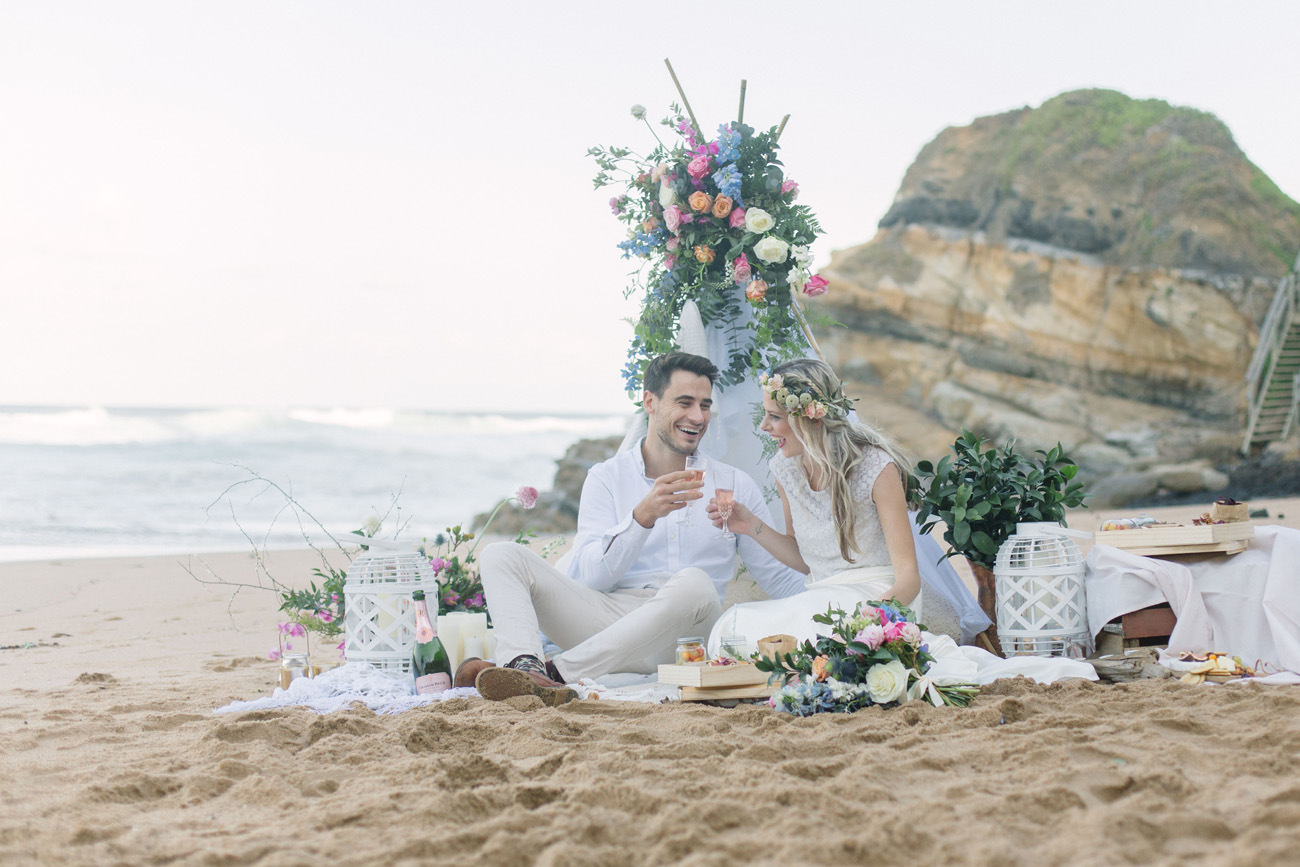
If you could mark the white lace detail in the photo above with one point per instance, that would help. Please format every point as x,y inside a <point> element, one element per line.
<point>810,513</point>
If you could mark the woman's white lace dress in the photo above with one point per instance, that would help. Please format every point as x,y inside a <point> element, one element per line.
<point>832,581</point>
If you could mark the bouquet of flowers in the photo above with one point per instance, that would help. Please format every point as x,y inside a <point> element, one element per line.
<point>874,657</point>
<point>714,221</point>
<point>459,587</point>
<point>315,610</point>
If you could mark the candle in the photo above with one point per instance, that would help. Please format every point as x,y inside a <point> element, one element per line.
<point>489,645</point>
<point>449,632</point>
<point>473,646</point>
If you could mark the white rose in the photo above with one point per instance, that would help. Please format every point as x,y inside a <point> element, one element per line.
<point>758,221</point>
<point>667,195</point>
<point>887,682</point>
<point>771,250</point>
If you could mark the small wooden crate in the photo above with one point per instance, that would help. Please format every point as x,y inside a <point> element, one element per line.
<point>1172,541</point>
<point>701,675</point>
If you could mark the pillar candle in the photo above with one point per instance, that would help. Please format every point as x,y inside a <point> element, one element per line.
<point>489,645</point>
<point>449,632</point>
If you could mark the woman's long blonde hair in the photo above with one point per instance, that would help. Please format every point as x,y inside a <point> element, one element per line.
<point>836,444</point>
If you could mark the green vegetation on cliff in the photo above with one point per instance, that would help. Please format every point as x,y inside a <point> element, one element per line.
<point>1136,182</point>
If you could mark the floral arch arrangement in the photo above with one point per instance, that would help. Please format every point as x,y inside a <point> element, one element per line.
<point>714,221</point>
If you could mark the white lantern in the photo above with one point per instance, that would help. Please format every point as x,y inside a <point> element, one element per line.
<point>379,623</point>
<point>1042,610</point>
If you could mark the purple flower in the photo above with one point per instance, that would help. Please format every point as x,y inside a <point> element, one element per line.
<point>274,654</point>
<point>475,601</point>
<point>297,631</point>
<point>438,564</point>
<point>325,617</point>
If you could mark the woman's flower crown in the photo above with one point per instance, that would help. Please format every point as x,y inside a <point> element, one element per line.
<point>808,404</point>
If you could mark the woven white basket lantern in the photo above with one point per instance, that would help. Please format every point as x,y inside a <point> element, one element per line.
<point>1042,610</point>
<point>379,623</point>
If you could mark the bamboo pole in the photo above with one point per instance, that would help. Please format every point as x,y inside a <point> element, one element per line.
<point>686,102</point>
<point>780,129</point>
<point>740,113</point>
<point>807,330</point>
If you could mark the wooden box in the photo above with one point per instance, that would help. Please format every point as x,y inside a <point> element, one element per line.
<point>1196,539</point>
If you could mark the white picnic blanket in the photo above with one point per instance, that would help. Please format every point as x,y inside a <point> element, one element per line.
<point>1246,604</point>
<point>387,692</point>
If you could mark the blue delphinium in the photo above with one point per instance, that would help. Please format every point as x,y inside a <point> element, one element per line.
<point>728,145</point>
<point>729,182</point>
<point>641,245</point>
<point>804,698</point>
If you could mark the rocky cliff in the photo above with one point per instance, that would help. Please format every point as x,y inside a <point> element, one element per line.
<point>1091,271</point>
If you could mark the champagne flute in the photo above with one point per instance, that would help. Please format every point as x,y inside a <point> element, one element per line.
<point>695,465</point>
<point>724,482</point>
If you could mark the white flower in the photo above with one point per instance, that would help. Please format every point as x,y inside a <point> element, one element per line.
<point>771,250</point>
<point>667,195</point>
<point>912,634</point>
<point>758,221</point>
<point>370,526</point>
<point>802,255</point>
<point>796,278</point>
<point>886,682</point>
<point>638,111</point>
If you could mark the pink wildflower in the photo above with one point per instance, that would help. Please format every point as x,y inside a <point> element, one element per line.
<point>274,654</point>
<point>670,261</point>
<point>325,617</point>
<point>526,496</point>
<point>616,204</point>
<point>297,631</point>
<point>438,564</point>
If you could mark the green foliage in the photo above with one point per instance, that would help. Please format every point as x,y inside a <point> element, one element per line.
<point>981,494</point>
<point>318,609</point>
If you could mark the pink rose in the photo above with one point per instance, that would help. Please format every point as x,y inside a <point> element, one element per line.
<point>756,290</point>
<point>670,261</point>
<point>815,286</point>
<point>526,496</point>
<point>790,186</point>
<point>673,218</point>
<point>672,242</point>
<point>740,267</point>
<point>872,636</point>
<point>437,564</point>
<point>738,218</point>
<point>658,172</point>
<point>698,167</point>
<point>911,633</point>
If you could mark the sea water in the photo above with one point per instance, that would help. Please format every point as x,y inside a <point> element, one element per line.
<point>96,481</point>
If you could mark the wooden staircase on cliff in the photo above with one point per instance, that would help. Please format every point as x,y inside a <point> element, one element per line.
<point>1273,379</point>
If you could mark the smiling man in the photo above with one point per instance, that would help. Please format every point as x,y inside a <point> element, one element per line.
<point>638,578</point>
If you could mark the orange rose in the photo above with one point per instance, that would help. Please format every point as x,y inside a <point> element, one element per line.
<point>704,254</point>
<point>651,224</point>
<point>721,206</point>
<point>819,667</point>
<point>756,291</point>
<point>700,202</point>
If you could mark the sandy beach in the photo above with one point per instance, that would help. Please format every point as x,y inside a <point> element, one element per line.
<point>110,754</point>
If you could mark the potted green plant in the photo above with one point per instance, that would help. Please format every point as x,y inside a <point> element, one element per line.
<point>980,494</point>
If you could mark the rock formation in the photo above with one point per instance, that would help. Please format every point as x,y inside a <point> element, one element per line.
<point>1092,271</point>
<point>557,509</point>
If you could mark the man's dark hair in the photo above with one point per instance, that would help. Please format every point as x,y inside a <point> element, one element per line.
<point>660,370</point>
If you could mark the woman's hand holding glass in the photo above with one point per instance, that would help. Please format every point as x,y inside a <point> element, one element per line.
<point>741,520</point>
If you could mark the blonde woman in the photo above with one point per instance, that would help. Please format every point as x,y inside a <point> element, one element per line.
<point>843,488</point>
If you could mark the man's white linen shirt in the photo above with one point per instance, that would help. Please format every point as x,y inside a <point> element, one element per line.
<point>612,550</point>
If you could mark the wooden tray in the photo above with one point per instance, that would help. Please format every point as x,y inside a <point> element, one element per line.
<point>703,675</point>
<point>1196,539</point>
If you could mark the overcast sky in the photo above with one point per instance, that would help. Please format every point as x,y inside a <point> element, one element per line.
<point>389,204</point>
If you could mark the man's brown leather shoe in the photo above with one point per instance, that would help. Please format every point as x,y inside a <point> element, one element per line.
<point>468,670</point>
<point>496,684</point>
